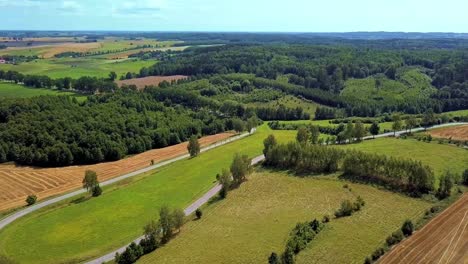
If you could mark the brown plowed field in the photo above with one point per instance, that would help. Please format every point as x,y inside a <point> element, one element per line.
<point>443,240</point>
<point>152,80</point>
<point>456,132</point>
<point>17,182</point>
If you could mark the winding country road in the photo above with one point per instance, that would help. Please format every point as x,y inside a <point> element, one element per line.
<point>191,208</point>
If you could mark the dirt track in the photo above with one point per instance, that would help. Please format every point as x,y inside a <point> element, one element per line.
<point>457,133</point>
<point>18,182</point>
<point>443,240</point>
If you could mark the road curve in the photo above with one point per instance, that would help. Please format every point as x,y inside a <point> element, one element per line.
<point>189,210</point>
<point>7,220</point>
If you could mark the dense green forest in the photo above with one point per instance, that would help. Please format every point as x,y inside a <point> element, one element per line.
<point>58,130</point>
<point>404,80</point>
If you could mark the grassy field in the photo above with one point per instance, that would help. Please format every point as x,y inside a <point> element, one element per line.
<point>290,102</point>
<point>78,67</point>
<point>11,90</point>
<point>410,84</point>
<point>440,157</point>
<point>74,231</point>
<point>256,219</point>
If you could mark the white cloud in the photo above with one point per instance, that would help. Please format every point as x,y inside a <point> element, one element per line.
<point>142,7</point>
<point>70,7</point>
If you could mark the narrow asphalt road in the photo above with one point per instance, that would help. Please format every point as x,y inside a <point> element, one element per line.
<point>191,208</point>
<point>7,220</point>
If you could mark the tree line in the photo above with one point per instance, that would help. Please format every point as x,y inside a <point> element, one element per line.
<point>84,84</point>
<point>407,176</point>
<point>60,131</point>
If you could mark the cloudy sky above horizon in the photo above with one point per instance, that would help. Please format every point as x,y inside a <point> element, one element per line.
<point>237,15</point>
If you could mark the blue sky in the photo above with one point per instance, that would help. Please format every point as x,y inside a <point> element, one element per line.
<point>237,15</point>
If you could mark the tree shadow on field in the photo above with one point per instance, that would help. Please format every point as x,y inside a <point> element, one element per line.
<point>80,200</point>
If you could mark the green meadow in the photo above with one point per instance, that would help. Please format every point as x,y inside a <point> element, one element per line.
<point>255,220</point>
<point>439,157</point>
<point>11,90</point>
<point>78,67</point>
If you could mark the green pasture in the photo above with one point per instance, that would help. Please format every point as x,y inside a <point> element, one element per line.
<point>11,90</point>
<point>78,67</point>
<point>256,219</point>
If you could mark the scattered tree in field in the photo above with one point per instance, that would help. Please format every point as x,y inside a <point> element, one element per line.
<point>396,126</point>
<point>346,209</point>
<point>407,228</point>
<point>268,143</point>
<point>274,259</point>
<point>241,167</point>
<point>225,179</point>
<point>31,199</point>
<point>178,218</point>
<point>374,129</point>
<point>359,131</point>
<point>112,76</point>
<point>349,132</point>
<point>411,123</point>
<point>314,134</point>
<point>429,118</point>
<point>193,146</point>
<point>90,180</point>
<point>166,224</point>
<point>445,185</point>
<point>198,213</point>
<point>302,135</point>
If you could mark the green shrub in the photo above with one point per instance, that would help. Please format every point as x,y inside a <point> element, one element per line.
<point>378,253</point>
<point>198,213</point>
<point>31,199</point>
<point>97,191</point>
<point>407,228</point>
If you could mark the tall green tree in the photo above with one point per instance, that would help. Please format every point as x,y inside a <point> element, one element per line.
<point>112,76</point>
<point>90,180</point>
<point>302,135</point>
<point>374,129</point>
<point>241,167</point>
<point>193,146</point>
<point>359,131</point>
<point>225,179</point>
<point>268,143</point>
<point>411,123</point>
<point>314,134</point>
<point>396,126</point>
